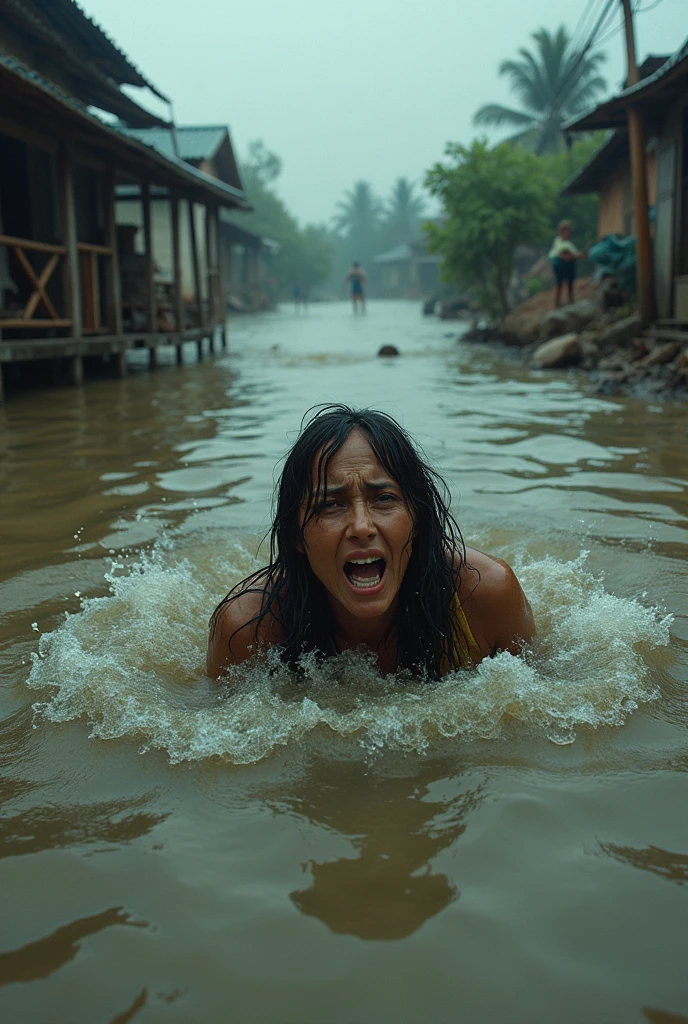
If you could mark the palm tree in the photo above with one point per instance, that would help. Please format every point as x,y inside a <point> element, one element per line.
<point>553,84</point>
<point>403,211</point>
<point>359,211</point>
<point>358,220</point>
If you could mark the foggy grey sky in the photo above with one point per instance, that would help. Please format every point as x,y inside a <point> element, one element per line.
<point>346,91</point>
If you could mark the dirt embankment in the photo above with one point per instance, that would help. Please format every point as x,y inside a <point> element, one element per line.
<point>608,343</point>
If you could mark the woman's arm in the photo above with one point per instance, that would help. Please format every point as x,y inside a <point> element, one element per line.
<point>234,634</point>
<point>497,610</point>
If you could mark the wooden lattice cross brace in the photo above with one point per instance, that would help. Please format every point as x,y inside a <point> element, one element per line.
<point>39,282</point>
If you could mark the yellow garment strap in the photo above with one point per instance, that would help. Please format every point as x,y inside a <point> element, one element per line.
<point>466,648</point>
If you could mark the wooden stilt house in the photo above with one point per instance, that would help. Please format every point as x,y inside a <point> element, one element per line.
<point>70,287</point>
<point>661,100</point>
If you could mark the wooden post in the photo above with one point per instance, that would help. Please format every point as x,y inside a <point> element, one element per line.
<point>151,312</point>
<point>228,266</point>
<point>177,266</point>
<point>219,256</point>
<point>76,370</point>
<point>210,268</point>
<point>70,239</point>
<point>153,357</point>
<point>636,141</point>
<point>113,289</point>
<point>121,364</point>
<point>180,355</point>
<point>196,265</point>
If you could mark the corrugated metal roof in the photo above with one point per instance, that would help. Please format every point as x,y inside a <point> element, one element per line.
<point>68,17</point>
<point>396,255</point>
<point>96,76</point>
<point>115,101</point>
<point>180,169</point>
<point>608,158</point>
<point>194,142</point>
<point>612,113</point>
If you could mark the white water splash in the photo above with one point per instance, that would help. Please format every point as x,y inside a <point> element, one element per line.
<point>132,664</point>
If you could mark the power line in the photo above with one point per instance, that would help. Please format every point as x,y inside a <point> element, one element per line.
<point>644,10</point>
<point>576,63</point>
<point>610,31</point>
<point>581,29</point>
<point>637,10</point>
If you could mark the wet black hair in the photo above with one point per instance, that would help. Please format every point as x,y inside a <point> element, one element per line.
<point>292,594</point>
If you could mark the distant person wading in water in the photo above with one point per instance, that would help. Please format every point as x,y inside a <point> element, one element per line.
<point>563,256</point>
<point>356,279</point>
<point>365,554</point>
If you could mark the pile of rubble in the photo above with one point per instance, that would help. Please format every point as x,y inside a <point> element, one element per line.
<point>610,344</point>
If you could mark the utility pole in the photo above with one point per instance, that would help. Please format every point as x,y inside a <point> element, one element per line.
<point>636,141</point>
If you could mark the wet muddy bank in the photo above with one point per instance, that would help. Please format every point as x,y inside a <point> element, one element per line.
<point>609,345</point>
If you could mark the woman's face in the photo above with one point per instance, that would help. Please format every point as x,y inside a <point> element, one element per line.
<point>359,543</point>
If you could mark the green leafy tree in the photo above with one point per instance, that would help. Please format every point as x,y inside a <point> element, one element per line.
<point>262,166</point>
<point>305,254</point>
<point>494,199</point>
<point>403,212</point>
<point>307,260</point>
<point>553,83</point>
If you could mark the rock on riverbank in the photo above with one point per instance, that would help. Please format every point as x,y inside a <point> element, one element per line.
<point>609,344</point>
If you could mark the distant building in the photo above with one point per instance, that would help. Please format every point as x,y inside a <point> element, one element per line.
<point>407,271</point>
<point>661,97</point>
<point>245,257</point>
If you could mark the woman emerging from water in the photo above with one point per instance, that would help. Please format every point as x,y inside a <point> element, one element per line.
<point>364,553</point>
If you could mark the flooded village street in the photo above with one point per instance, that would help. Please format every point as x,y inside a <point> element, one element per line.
<point>507,845</point>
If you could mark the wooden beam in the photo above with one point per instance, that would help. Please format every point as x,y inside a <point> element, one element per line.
<point>196,265</point>
<point>180,315</point>
<point>70,239</point>
<point>98,250</point>
<point>636,145</point>
<point>24,134</point>
<point>151,311</point>
<point>113,285</point>
<point>39,283</point>
<point>209,265</point>
<point>76,370</point>
<point>28,243</point>
<point>219,257</point>
<point>20,323</point>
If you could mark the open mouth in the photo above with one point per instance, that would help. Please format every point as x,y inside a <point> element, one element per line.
<point>365,573</point>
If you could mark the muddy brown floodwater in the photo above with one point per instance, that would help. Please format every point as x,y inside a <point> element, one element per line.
<point>510,845</point>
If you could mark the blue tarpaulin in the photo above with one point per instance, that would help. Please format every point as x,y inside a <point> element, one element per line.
<point>615,254</point>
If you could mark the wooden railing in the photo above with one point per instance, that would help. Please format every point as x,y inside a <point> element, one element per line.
<point>39,280</point>
<point>90,285</point>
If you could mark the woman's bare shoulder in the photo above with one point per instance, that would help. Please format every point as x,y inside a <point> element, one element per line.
<point>498,611</point>
<point>236,632</point>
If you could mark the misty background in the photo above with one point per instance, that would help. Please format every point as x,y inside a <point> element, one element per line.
<point>341,93</point>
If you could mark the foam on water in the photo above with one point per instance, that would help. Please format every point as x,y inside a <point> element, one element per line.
<point>132,664</point>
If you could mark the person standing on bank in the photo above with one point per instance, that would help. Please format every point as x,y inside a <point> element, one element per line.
<point>356,279</point>
<point>364,553</point>
<point>563,256</point>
